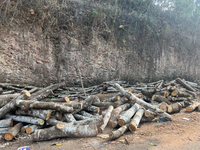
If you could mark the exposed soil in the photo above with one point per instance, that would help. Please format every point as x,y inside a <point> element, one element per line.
<point>178,134</point>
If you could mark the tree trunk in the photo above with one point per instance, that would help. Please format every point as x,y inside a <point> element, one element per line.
<point>6,123</point>
<point>148,92</point>
<point>43,93</point>
<point>177,93</point>
<point>148,113</point>
<point>26,105</point>
<point>93,109</point>
<point>192,107</point>
<point>98,120</point>
<point>125,118</point>
<point>119,132</point>
<point>32,128</point>
<point>86,114</point>
<point>133,99</point>
<point>4,130</point>
<point>163,106</point>
<point>62,130</point>
<point>26,119</point>
<point>80,117</point>
<point>11,105</point>
<point>69,118</point>
<point>174,108</point>
<point>106,119</point>
<point>185,84</point>
<point>4,99</point>
<point>136,120</point>
<point>112,99</point>
<point>13,132</point>
<point>39,113</point>
<point>113,119</point>
<point>159,98</point>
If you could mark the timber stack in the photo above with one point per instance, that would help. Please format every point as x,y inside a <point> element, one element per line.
<point>62,111</point>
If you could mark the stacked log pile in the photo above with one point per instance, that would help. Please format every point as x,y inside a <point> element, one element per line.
<point>61,111</point>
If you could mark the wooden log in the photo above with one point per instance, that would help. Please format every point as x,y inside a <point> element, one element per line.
<point>125,118</point>
<point>147,119</point>
<point>6,123</point>
<point>160,85</point>
<point>39,113</point>
<point>26,105</point>
<point>69,118</point>
<point>149,92</point>
<point>43,93</point>
<point>62,130</point>
<point>75,105</point>
<point>132,90</point>
<point>192,107</point>
<point>4,99</point>
<point>98,120</point>
<point>13,132</point>
<point>105,96</point>
<point>169,98</point>
<point>23,129</point>
<point>8,92</point>
<point>113,119</point>
<point>86,114</point>
<point>53,122</point>
<point>184,104</point>
<point>93,109</point>
<point>11,105</point>
<point>174,108</point>
<point>171,88</point>
<point>58,115</point>
<point>119,132</point>
<point>185,84</point>
<point>79,117</point>
<point>159,98</point>
<point>120,114</point>
<point>106,104</point>
<point>165,93</point>
<point>33,90</point>
<point>106,119</point>
<point>133,99</point>
<point>148,113</point>
<point>32,128</point>
<point>57,100</point>
<point>164,106</point>
<point>136,120</point>
<point>175,99</point>
<point>178,93</point>
<point>4,130</point>
<point>26,119</point>
<point>112,99</point>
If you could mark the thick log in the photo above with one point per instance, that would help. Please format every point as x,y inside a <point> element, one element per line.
<point>93,109</point>
<point>174,108</point>
<point>4,130</point>
<point>13,132</point>
<point>149,92</point>
<point>113,119</point>
<point>106,104</point>
<point>62,130</point>
<point>185,84</point>
<point>58,115</point>
<point>75,105</point>
<point>6,123</point>
<point>165,93</point>
<point>175,99</point>
<point>164,106</point>
<point>39,113</point>
<point>184,104</point>
<point>23,129</point>
<point>86,114</point>
<point>171,88</point>
<point>119,132</point>
<point>79,117</point>
<point>98,120</point>
<point>53,122</point>
<point>192,107</point>
<point>112,99</point>
<point>105,96</point>
<point>159,98</point>
<point>125,118</point>
<point>4,99</point>
<point>136,120</point>
<point>11,105</point>
<point>132,90</point>
<point>33,90</point>
<point>69,118</point>
<point>26,119</point>
<point>178,93</point>
<point>147,119</point>
<point>106,119</point>
<point>133,99</point>
<point>8,92</point>
<point>32,128</point>
<point>26,105</point>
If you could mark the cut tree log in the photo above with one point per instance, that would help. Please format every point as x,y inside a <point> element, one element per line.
<point>159,98</point>
<point>39,113</point>
<point>125,118</point>
<point>171,88</point>
<point>32,128</point>
<point>148,113</point>
<point>13,132</point>
<point>62,130</point>
<point>174,108</point>
<point>33,90</point>
<point>136,120</point>
<point>58,115</point>
<point>106,119</point>
<point>6,123</point>
<point>62,99</point>
<point>165,93</point>
<point>175,99</point>
<point>86,114</point>
<point>119,132</point>
<point>26,119</point>
<point>53,122</point>
<point>23,129</point>
<point>113,119</point>
<point>133,99</point>
<point>4,130</point>
<point>4,99</point>
<point>112,99</point>
<point>177,93</point>
<point>79,117</point>
<point>147,119</point>
<point>192,107</point>
<point>149,92</point>
<point>106,104</point>
<point>184,104</point>
<point>69,118</point>
<point>164,106</point>
<point>185,84</point>
<point>43,93</point>
<point>8,92</point>
<point>105,96</point>
<point>75,105</point>
<point>93,109</point>
<point>26,105</point>
<point>11,105</point>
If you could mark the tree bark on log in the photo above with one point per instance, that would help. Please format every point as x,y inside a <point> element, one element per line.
<point>32,128</point>
<point>26,105</point>
<point>148,92</point>
<point>171,88</point>
<point>148,113</point>
<point>177,93</point>
<point>11,105</point>
<point>62,130</point>
<point>113,119</point>
<point>58,115</point>
<point>57,100</point>
<point>159,98</point>
<point>79,117</point>
<point>4,99</point>
<point>23,129</point>
<point>192,107</point>
<point>43,93</point>
<point>147,119</point>
<point>133,99</point>
<point>125,118</point>
<point>39,113</point>
<point>136,120</point>
<point>69,118</point>
<point>174,108</point>
<point>13,132</point>
<point>6,123</point>
<point>93,109</point>
<point>33,90</point>
<point>184,104</point>
<point>106,119</point>
<point>4,130</point>
<point>8,92</point>
<point>175,99</point>
<point>86,114</point>
<point>98,120</point>
<point>165,93</point>
<point>119,132</point>
<point>164,106</point>
<point>106,104</point>
<point>75,105</point>
<point>26,119</point>
<point>185,84</point>
<point>112,99</point>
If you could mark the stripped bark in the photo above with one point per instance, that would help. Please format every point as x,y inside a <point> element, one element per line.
<point>119,132</point>
<point>6,123</point>
<point>13,132</point>
<point>106,119</point>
